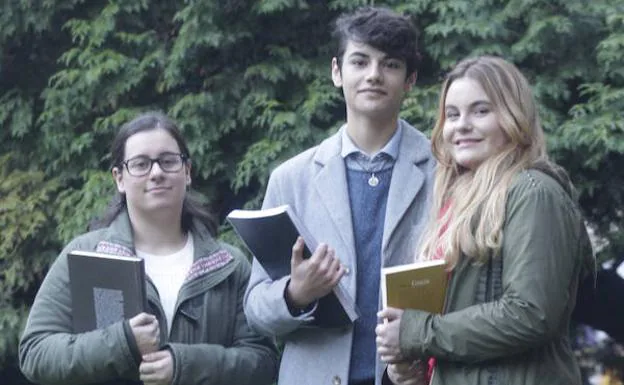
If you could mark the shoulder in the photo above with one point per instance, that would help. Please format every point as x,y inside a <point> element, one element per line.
<point>416,148</point>
<point>209,248</point>
<point>297,163</point>
<point>309,159</point>
<point>87,241</point>
<point>235,252</point>
<point>538,199</point>
<point>240,262</point>
<point>530,180</point>
<point>413,134</point>
<point>539,186</point>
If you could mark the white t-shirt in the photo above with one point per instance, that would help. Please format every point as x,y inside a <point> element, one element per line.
<point>168,273</point>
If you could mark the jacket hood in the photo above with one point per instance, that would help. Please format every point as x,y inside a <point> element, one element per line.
<point>559,174</point>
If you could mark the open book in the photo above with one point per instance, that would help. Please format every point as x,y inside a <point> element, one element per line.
<point>105,288</point>
<point>269,235</point>
<point>419,285</point>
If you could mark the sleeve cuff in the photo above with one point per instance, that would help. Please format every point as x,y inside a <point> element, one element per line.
<point>296,311</point>
<point>134,348</point>
<point>413,323</point>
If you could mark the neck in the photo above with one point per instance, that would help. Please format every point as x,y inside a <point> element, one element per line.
<point>371,135</point>
<point>157,234</point>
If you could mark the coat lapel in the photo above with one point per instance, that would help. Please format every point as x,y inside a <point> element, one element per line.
<point>331,185</point>
<point>407,179</point>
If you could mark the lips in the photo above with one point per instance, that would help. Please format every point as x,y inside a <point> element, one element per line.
<point>158,189</point>
<point>466,141</point>
<point>373,91</point>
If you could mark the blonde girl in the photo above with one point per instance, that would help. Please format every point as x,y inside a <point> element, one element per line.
<point>505,219</point>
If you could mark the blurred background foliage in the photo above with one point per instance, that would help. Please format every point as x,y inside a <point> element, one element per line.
<point>249,84</point>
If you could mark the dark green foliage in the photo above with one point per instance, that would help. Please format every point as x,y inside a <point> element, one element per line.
<point>249,83</point>
<point>27,245</point>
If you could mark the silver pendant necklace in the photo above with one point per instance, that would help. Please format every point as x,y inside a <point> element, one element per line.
<point>372,180</point>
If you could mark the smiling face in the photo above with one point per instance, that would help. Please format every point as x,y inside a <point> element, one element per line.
<point>372,82</point>
<point>471,130</point>
<point>157,189</point>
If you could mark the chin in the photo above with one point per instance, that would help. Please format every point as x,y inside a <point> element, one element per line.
<point>155,207</point>
<point>467,164</point>
<point>376,111</point>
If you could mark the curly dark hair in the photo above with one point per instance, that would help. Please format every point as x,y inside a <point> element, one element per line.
<point>381,28</point>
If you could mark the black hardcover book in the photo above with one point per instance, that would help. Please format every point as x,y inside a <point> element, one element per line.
<point>270,235</point>
<point>105,289</point>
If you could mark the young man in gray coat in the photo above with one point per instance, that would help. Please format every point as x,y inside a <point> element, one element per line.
<point>363,193</point>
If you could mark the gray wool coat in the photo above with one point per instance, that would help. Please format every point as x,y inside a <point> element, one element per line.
<point>314,184</point>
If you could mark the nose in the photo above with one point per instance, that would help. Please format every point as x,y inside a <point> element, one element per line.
<point>156,170</point>
<point>463,123</point>
<point>374,74</point>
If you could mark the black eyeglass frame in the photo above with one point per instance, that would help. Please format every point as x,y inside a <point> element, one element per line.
<point>158,160</point>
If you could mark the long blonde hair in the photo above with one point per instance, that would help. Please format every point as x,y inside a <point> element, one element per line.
<point>473,225</point>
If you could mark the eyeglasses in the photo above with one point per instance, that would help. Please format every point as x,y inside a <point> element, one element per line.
<point>142,165</point>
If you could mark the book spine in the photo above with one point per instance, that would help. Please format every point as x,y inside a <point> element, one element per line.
<point>142,286</point>
<point>346,301</point>
<point>302,230</point>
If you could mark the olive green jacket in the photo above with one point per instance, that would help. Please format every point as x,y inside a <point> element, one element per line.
<point>209,339</point>
<point>518,333</point>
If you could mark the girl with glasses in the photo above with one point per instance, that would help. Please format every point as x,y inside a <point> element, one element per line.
<point>195,331</point>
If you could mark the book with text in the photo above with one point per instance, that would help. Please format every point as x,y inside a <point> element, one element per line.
<point>105,288</point>
<point>269,235</point>
<point>419,285</point>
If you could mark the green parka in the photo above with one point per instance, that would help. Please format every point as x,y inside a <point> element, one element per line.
<point>507,321</point>
<point>209,339</point>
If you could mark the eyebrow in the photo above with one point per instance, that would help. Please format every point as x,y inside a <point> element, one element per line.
<point>476,103</point>
<point>168,152</point>
<point>360,54</point>
<point>367,56</point>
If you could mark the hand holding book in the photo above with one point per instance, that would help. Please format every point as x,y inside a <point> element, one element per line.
<point>270,235</point>
<point>315,277</point>
<point>146,331</point>
<point>387,340</point>
<point>420,285</point>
